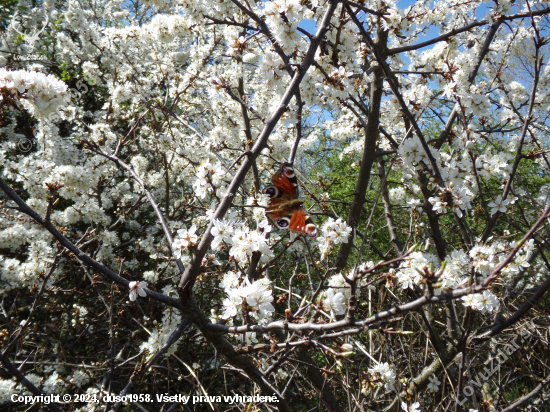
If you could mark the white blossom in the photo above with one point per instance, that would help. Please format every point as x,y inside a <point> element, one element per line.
<point>499,205</point>
<point>385,373</point>
<point>184,239</point>
<point>137,289</point>
<point>41,94</point>
<point>334,302</point>
<point>433,386</point>
<point>485,302</point>
<point>415,407</point>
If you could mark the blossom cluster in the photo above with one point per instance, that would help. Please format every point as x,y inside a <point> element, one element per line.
<point>385,373</point>
<point>484,258</point>
<point>41,94</point>
<point>333,232</point>
<point>245,298</point>
<point>485,302</point>
<point>283,17</point>
<point>337,295</point>
<point>242,240</point>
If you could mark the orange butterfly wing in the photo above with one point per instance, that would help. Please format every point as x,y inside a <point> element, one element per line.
<point>285,181</point>
<point>285,210</point>
<point>302,223</point>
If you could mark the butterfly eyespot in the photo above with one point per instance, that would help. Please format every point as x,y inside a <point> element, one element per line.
<point>311,231</point>
<point>271,191</point>
<point>283,223</point>
<point>288,171</point>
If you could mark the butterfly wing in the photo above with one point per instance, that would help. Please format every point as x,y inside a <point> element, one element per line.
<point>302,223</point>
<point>285,211</point>
<point>285,180</point>
<point>279,213</point>
<point>283,189</point>
<point>287,214</point>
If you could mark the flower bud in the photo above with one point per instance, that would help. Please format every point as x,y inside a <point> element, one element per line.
<point>346,350</point>
<point>346,347</point>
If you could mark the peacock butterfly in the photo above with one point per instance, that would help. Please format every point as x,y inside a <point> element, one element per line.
<point>285,210</point>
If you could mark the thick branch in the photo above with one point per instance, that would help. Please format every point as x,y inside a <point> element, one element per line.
<point>369,154</point>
